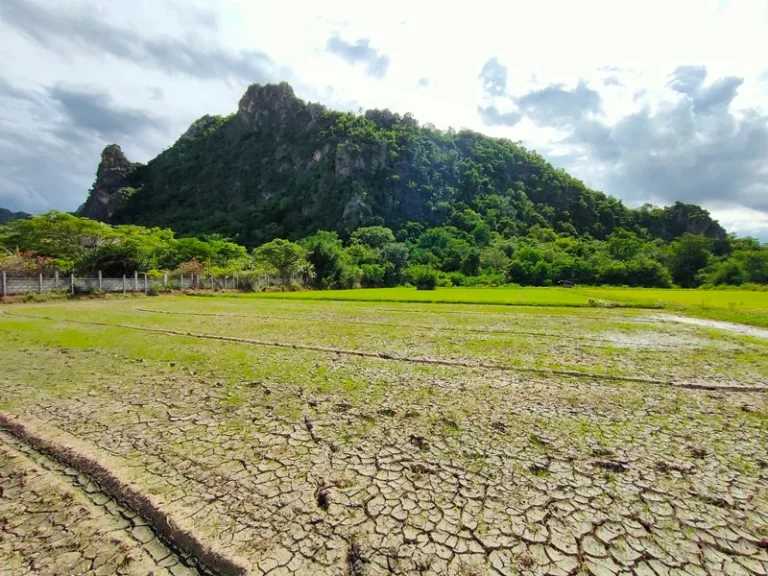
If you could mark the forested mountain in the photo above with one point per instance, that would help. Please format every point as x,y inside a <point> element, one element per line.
<point>7,216</point>
<point>375,199</point>
<point>282,167</point>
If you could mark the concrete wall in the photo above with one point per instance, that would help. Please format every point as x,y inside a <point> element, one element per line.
<point>12,285</point>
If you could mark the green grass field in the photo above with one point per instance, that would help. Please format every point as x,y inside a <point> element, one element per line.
<point>728,305</point>
<point>502,296</point>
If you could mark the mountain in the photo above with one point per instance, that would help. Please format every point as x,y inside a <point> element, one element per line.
<point>7,216</point>
<point>282,167</point>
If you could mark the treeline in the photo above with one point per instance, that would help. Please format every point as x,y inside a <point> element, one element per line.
<point>467,251</point>
<point>67,243</point>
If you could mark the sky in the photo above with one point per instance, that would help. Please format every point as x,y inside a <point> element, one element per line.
<point>649,101</point>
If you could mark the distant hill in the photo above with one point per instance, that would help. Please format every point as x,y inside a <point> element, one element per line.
<point>8,216</point>
<point>282,167</point>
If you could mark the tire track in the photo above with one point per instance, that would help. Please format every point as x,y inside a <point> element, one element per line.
<point>118,518</point>
<point>412,326</point>
<point>408,359</point>
<point>185,544</point>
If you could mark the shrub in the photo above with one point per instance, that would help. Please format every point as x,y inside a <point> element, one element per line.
<point>44,297</point>
<point>373,275</point>
<point>458,279</point>
<point>424,277</point>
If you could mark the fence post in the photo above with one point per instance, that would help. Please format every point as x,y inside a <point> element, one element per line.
<point>56,279</point>
<point>181,281</point>
<point>135,281</point>
<point>100,281</point>
<point>39,282</point>
<point>165,279</point>
<point>124,285</point>
<point>72,284</point>
<point>225,282</point>
<point>5,282</point>
<point>211,278</point>
<point>237,278</point>
<point>145,283</point>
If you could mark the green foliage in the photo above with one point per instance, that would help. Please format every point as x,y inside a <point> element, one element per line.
<point>687,256</point>
<point>83,246</point>
<point>423,277</point>
<point>285,168</point>
<point>333,267</point>
<point>373,258</point>
<point>373,236</point>
<point>281,257</point>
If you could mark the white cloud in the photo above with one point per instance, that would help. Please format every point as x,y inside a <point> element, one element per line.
<point>189,59</point>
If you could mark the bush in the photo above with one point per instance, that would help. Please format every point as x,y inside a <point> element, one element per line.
<point>373,275</point>
<point>458,279</point>
<point>87,291</point>
<point>44,297</point>
<point>423,277</point>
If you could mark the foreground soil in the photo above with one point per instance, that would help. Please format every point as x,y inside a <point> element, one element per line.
<point>345,438</point>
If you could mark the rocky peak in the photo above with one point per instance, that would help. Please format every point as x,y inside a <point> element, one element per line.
<point>113,164</point>
<point>276,101</point>
<point>112,186</point>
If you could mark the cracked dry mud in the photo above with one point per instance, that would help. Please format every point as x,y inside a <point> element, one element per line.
<point>55,520</point>
<point>296,461</point>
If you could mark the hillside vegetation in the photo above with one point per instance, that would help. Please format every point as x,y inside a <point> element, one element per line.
<point>375,199</point>
<point>374,256</point>
<point>281,167</point>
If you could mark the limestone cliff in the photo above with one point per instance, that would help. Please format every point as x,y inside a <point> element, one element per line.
<point>112,188</point>
<point>281,167</point>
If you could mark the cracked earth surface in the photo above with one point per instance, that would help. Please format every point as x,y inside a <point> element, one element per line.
<point>297,461</point>
<point>55,520</point>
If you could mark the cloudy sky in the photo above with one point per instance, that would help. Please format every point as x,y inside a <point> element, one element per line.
<point>650,101</point>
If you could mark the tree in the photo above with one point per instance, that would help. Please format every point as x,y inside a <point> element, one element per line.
<point>282,257</point>
<point>687,256</point>
<point>623,245</point>
<point>373,236</point>
<point>329,261</point>
<point>470,266</point>
<point>395,258</point>
<point>65,238</point>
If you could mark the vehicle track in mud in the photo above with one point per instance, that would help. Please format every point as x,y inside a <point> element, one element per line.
<point>414,360</point>
<point>149,532</point>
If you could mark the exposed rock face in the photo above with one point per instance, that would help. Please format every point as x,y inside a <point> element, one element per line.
<point>350,158</point>
<point>112,186</point>
<point>674,221</point>
<point>284,167</point>
<point>275,102</point>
